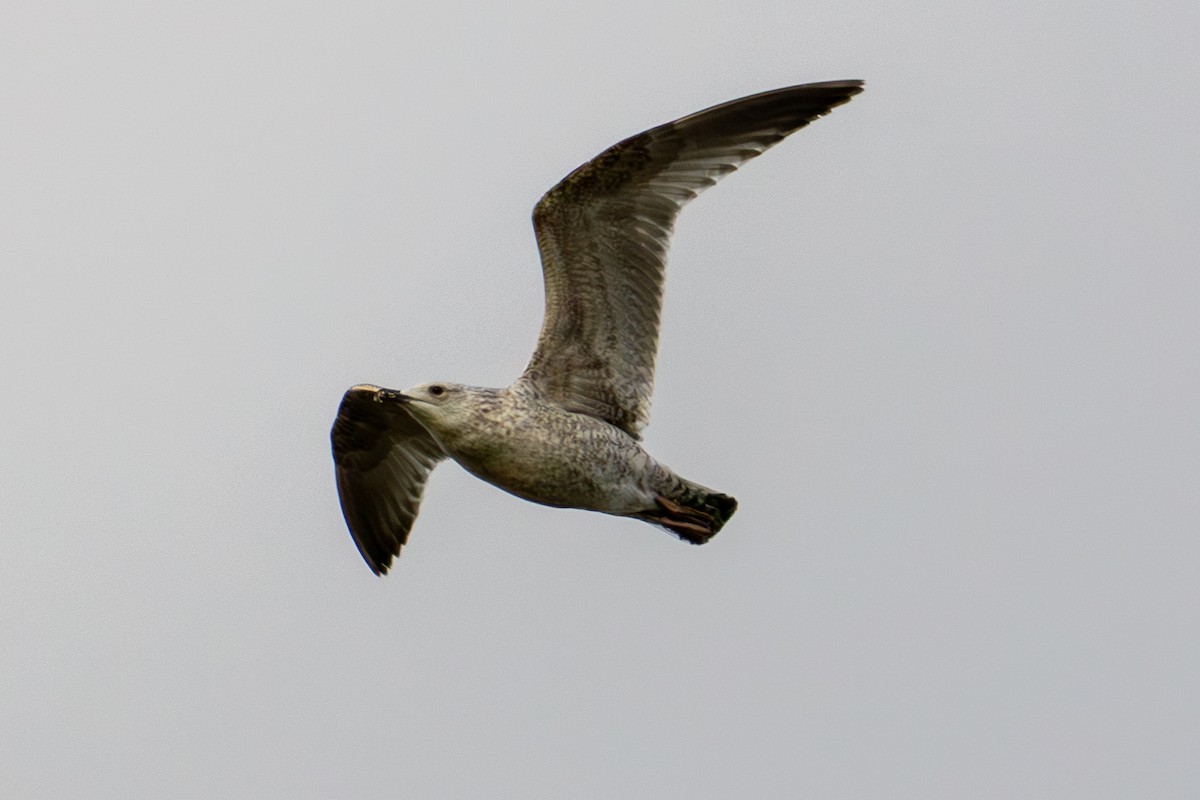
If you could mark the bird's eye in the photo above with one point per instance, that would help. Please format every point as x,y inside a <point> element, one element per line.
<point>437,391</point>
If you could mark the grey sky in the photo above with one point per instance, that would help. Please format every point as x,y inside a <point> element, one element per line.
<point>941,345</point>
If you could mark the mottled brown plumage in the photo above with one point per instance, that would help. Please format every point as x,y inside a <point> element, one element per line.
<point>565,433</point>
<point>603,234</point>
<point>383,458</point>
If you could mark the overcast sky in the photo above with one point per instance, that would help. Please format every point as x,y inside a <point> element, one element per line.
<point>941,345</point>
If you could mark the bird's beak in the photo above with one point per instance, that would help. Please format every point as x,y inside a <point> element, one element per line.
<point>390,396</point>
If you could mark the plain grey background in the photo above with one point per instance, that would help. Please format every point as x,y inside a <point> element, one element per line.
<point>942,346</point>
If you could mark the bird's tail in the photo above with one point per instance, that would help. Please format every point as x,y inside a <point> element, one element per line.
<point>692,512</point>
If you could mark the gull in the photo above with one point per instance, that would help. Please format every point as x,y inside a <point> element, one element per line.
<point>567,432</point>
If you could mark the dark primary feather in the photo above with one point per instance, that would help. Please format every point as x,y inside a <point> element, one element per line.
<point>603,233</point>
<point>383,457</point>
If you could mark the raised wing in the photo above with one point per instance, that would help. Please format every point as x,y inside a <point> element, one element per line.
<point>383,457</point>
<point>603,233</point>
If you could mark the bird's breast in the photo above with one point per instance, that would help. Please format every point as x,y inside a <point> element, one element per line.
<point>557,458</point>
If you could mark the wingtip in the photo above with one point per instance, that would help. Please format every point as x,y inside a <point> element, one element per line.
<point>377,555</point>
<point>380,565</point>
<point>846,83</point>
<point>847,88</point>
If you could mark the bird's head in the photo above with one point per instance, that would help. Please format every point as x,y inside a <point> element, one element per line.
<point>441,407</point>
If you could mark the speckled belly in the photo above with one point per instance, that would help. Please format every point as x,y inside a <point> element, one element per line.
<point>565,460</point>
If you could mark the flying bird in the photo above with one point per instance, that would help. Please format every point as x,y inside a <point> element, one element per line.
<point>566,433</point>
